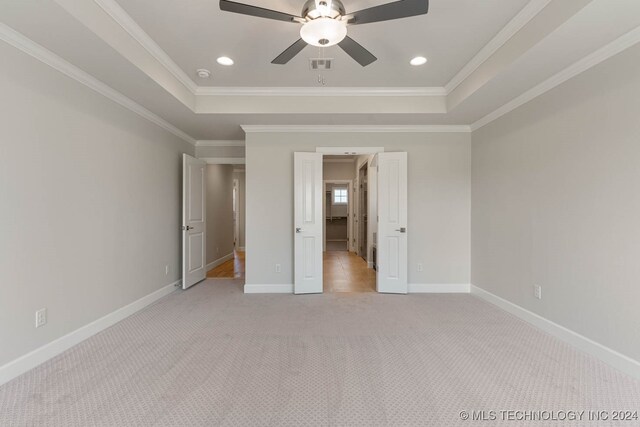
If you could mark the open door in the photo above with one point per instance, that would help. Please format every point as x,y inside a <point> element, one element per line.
<point>392,223</point>
<point>308,218</point>
<point>193,221</point>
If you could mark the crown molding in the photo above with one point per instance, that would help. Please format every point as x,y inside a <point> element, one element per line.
<point>320,91</point>
<point>28,46</point>
<point>355,129</point>
<point>220,143</point>
<point>589,61</point>
<point>120,16</point>
<point>516,24</point>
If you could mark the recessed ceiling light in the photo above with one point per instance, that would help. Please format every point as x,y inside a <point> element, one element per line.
<point>418,60</point>
<point>225,60</point>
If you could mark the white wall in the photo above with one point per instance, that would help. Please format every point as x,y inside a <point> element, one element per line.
<point>439,197</point>
<point>219,211</point>
<point>90,198</point>
<point>556,202</point>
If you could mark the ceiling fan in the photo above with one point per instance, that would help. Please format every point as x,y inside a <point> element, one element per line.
<point>324,23</point>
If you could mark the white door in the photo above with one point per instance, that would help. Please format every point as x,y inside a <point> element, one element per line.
<point>392,223</point>
<point>193,221</point>
<point>308,218</point>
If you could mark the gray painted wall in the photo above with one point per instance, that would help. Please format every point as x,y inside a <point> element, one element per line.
<point>556,202</point>
<point>338,171</point>
<point>219,211</point>
<point>439,201</point>
<point>204,152</point>
<point>91,204</point>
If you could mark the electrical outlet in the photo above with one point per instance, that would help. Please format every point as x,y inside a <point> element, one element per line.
<point>41,317</point>
<point>278,268</point>
<point>420,268</point>
<point>537,291</point>
<point>166,270</point>
<point>218,250</point>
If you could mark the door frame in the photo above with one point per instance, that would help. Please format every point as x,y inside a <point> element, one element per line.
<point>236,213</point>
<point>350,211</point>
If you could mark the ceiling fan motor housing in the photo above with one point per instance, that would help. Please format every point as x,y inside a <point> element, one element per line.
<point>310,9</point>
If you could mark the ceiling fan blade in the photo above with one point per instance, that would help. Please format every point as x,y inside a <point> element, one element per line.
<point>389,11</point>
<point>357,52</point>
<point>290,52</point>
<point>247,9</point>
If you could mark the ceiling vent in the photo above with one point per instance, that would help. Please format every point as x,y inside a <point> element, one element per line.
<point>323,64</point>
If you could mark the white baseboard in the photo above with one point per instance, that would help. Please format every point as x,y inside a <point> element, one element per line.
<point>268,289</point>
<point>219,261</point>
<point>241,249</point>
<point>428,288</point>
<point>40,355</point>
<point>607,355</point>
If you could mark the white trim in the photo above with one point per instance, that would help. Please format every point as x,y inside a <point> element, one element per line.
<point>119,15</point>
<point>516,24</point>
<point>591,60</point>
<point>268,289</point>
<point>321,91</point>
<point>220,143</point>
<point>241,249</point>
<point>44,55</point>
<point>338,160</point>
<point>430,288</point>
<point>219,261</point>
<point>224,160</point>
<point>354,128</point>
<point>40,355</point>
<point>607,355</point>
<point>351,151</point>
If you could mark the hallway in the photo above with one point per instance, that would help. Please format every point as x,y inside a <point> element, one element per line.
<point>232,269</point>
<point>347,272</point>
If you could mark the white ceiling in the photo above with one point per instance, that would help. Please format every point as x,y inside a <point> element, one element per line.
<point>192,33</point>
<point>195,33</point>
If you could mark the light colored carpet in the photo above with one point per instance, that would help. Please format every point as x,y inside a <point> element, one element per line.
<point>213,356</point>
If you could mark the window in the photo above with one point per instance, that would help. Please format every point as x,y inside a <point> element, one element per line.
<point>340,196</point>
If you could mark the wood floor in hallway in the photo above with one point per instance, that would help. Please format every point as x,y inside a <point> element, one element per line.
<point>232,269</point>
<point>347,272</point>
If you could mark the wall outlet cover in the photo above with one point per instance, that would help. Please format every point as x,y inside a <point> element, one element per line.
<point>537,291</point>
<point>41,317</point>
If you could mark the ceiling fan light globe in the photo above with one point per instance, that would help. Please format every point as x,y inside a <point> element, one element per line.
<point>323,32</point>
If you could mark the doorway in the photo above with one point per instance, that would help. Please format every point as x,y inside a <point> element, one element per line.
<point>386,240</point>
<point>363,211</point>
<point>337,215</point>
<point>225,226</point>
<point>344,269</point>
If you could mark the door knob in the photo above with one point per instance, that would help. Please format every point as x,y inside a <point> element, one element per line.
<point>298,230</point>
<point>402,229</point>
<point>188,228</point>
